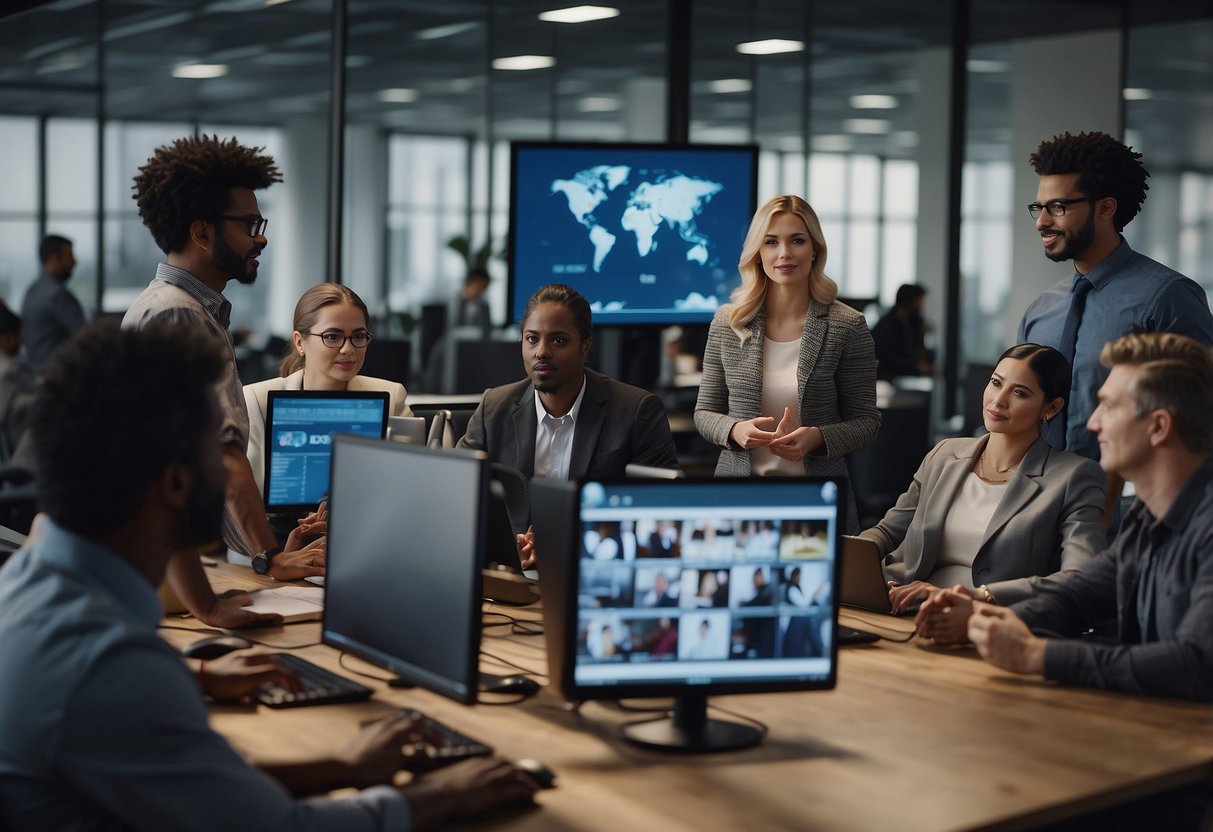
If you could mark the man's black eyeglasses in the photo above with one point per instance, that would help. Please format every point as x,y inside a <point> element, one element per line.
<point>256,224</point>
<point>1056,207</point>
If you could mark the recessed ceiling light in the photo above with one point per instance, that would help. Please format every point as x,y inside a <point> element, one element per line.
<point>873,102</point>
<point>1137,94</point>
<point>398,95</point>
<point>599,104</point>
<point>986,66</point>
<point>522,62</point>
<point>866,126</point>
<point>579,14</point>
<point>200,71</point>
<point>773,46</point>
<point>729,85</point>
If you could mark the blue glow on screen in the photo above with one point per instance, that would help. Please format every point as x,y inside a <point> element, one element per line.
<point>648,234</point>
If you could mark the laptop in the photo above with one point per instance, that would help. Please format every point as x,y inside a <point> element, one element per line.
<point>862,582</point>
<point>407,429</point>
<point>299,428</point>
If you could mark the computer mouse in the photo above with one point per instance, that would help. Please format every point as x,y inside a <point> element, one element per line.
<point>543,776</point>
<point>524,685</point>
<point>214,647</point>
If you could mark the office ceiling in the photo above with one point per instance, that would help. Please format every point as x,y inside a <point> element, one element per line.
<point>424,66</point>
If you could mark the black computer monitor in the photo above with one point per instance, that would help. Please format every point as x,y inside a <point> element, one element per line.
<point>648,233</point>
<point>690,588</point>
<point>406,537</point>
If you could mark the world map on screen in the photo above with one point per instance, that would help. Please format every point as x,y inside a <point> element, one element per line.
<point>610,205</point>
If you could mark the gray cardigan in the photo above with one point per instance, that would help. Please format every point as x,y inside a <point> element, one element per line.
<point>836,379</point>
<point>1048,520</point>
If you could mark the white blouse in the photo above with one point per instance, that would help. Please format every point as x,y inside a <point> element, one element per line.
<point>963,530</point>
<point>779,390</point>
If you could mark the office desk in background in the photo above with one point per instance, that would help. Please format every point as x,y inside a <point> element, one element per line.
<point>913,738</point>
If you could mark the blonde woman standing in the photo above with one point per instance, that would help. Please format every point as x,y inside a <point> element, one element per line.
<point>789,375</point>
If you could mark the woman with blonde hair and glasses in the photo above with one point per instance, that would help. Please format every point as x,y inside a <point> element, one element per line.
<point>332,334</point>
<point>789,374</point>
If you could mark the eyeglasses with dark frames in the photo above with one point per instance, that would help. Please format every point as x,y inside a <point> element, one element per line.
<point>256,224</point>
<point>336,340</point>
<point>1056,207</point>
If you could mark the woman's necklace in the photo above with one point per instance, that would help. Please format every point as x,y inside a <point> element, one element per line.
<point>981,471</point>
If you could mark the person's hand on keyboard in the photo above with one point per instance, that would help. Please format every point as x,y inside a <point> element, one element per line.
<point>238,675</point>
<point>467,789</point>
<point>386,746</point>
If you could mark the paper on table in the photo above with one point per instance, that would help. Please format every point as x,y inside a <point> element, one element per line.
<point>293,603</point>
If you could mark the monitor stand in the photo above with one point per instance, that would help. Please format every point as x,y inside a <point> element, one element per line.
<point>504,586</point>
<point>688,729</point>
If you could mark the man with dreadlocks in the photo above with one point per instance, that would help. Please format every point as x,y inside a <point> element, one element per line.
<point>1091,186</point>
<point>197,198</point>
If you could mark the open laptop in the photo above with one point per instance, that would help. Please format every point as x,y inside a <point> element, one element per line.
<point>299,428</point>
<point>407,429</point>
<point>861,578</point>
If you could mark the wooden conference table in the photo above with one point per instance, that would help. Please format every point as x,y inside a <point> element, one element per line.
<point>914,737</point>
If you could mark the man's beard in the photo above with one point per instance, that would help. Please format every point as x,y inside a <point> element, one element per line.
<point>1081,241</point>
<point>203,513</point>
<point>234,266</point>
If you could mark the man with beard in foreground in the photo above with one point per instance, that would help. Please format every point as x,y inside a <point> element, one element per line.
<point>102,723</point>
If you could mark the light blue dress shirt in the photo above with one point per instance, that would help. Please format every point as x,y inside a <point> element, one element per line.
<point>102,725</point>
<point>1131,293</point>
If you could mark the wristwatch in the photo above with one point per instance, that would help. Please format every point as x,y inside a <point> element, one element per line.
<point>262,560</point>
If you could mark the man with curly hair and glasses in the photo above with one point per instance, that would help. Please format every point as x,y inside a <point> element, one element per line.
<point>1091,187</point>
<point>197,197</point>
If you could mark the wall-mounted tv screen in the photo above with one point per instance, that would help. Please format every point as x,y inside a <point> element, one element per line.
<point>649,234</point>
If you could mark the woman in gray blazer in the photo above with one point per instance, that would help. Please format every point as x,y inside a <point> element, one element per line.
<point>990,514</point>
<point>789,375</point>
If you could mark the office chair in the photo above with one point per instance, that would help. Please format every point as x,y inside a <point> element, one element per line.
<point>440,434</point>
<point>515,492</point>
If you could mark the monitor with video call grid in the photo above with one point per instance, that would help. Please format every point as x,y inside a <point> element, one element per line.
<point>690,588</point>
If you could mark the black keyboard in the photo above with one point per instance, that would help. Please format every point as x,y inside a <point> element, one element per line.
<point>452,747</point>
<point>319,686</point>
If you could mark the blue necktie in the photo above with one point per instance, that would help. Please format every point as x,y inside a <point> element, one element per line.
<point>1055,428</point>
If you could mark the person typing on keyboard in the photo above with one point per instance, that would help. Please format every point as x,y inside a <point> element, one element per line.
<point>103,724</point>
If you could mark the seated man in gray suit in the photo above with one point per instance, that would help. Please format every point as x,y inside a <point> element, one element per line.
<point>565,420</point>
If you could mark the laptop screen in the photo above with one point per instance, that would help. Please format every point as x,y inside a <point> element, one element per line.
<point>299,430</point>
<point>721,585</point>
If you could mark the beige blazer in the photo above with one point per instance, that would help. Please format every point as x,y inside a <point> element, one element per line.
<point>256,399</point>
<point>1048,520</point>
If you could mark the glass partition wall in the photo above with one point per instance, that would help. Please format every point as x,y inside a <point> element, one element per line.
<point>850,104</point>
